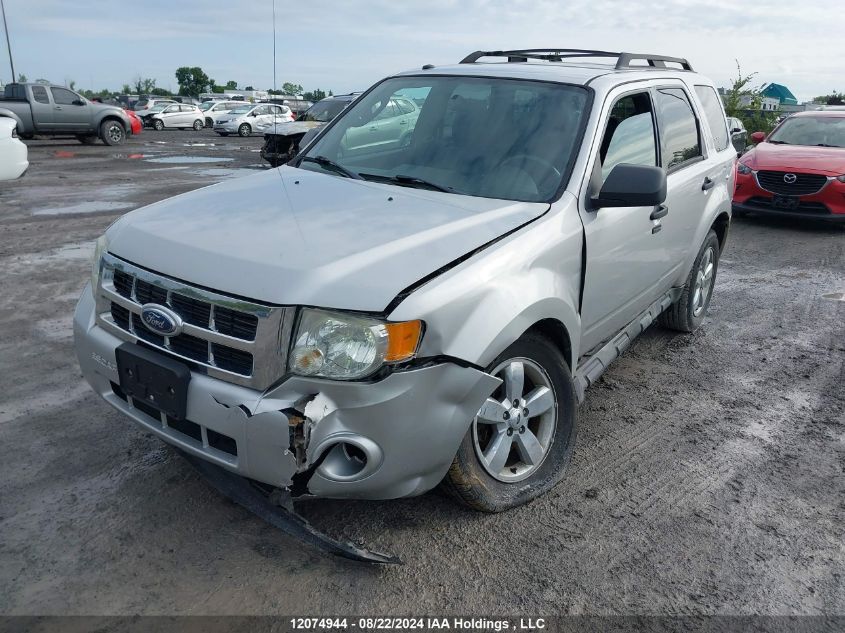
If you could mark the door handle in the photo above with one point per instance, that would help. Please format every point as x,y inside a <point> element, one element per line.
<point>659,211</point>
<point>403,122</point>
<point>707,184</point>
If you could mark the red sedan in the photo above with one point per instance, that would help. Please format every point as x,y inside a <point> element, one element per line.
<point>797,171</point>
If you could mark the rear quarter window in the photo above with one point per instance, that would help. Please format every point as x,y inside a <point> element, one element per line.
<point>39,93</point>
<point>715,114</point>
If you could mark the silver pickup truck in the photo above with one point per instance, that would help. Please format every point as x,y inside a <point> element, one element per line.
<point>57,111</point>
<point>405,305</point>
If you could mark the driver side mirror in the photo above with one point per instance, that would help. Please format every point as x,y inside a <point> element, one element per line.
<point>78,102</point>
<point>758,137</point>
<point>735,130</point>
<point>632,186</point>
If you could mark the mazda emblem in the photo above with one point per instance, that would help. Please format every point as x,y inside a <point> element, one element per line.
<point>790,179</point>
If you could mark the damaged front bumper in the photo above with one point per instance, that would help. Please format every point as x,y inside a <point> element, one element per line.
<point>380,440</point>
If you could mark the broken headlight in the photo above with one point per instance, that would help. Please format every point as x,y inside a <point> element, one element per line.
<point>346,347</point>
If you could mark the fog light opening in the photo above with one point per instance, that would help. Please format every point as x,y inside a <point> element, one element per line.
<point>350,460</point>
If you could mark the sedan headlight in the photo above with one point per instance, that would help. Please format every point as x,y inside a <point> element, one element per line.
<point>841,178</point>
<point>744,169</point>
<point>99,249</point>
<point>347,347</point>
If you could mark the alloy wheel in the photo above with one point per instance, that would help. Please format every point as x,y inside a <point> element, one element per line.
<point>515,427</point>
<point>704,278</point>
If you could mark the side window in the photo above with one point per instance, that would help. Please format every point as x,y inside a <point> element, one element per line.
<point>629,136</point>
<point>39,93</point>
<point>405,106</point>
<point>170,109</point>
<point>715,116</point>
<point>388,112</point>
<point>63,97</point>
<point>678,127</point>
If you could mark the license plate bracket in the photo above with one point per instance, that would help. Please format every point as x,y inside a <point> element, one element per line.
<point>785,202</point>
<point>160,382</point>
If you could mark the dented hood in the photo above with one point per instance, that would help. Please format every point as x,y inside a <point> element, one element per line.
<point>297,237</point>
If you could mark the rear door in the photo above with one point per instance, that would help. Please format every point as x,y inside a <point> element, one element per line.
<point>171,116</point>
<point>70,112</point>
<point>627,251</point>
<point>42,108</point>
<point>693,173</point>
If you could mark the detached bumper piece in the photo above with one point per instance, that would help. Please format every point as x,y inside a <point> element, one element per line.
<point>279,512</point>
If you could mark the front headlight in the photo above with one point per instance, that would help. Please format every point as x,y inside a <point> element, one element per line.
<point>347,347</point>
<point>744,169</point>
<point>841,178</point>
<point>99,249</point>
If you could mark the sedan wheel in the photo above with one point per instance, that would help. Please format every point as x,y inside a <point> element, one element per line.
<point>199,124</point>
<point>158,125</point>
<point>244,129</point>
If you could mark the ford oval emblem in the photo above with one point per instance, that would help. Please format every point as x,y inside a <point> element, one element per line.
<point>160,320</point>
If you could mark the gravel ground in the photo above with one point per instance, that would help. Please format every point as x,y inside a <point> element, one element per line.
<point>709,474</point>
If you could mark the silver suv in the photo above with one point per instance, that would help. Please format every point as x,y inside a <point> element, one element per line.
<point>426,302</point>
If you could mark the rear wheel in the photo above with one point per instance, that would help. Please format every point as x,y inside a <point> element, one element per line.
<point>199,124</point>
<point>209,122</point>
<point>244,130</point>
<point>688,312</point>
<point>520,441</point>
<point>158,124</point>
<point>112,133</point>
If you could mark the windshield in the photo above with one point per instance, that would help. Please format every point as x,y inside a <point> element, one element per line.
<point>810,130</point>
<point>487,137</point>
<point>141,104</point>
<point>241,110</point>
<point>324,111</point>
<point>205,105</point>
<point>159,107</point>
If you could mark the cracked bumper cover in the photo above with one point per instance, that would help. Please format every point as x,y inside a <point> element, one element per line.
<point>415,418</point>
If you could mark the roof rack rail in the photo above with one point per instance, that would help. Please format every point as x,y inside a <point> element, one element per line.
<point>623,60</point>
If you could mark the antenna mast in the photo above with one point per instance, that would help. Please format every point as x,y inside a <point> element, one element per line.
<point>9,44</point>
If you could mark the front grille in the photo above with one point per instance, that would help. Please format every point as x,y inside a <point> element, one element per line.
<point>804,185</point>
<point>233,339</point>
<point>810,208</point>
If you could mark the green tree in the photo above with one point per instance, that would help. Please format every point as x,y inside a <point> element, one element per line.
<point>72,84</point>
<point>21,78</point>
<point>192,81</point>
<point>289,88</point>
<point>314,95</point>
<point>126,89</point>
<point>744,102</point>
<point>160,92</point>
<point>231,85</point>
<point>834,98</point>
<point>249,88</point>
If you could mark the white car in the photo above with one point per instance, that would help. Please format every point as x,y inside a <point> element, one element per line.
<point>249,118</point>
<point>13,153</point>
<point>214,110</point>
<point>143,105</point>
<point>179,115</point>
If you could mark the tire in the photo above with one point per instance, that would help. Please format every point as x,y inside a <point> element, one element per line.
<point>245,129</point>
<point>688,312</point>
<point>158,125</point>
<point>199,124</point>
<point>88,139</point>
<point>481,484</point>
<point>209,122</point>
<point>112,133</point>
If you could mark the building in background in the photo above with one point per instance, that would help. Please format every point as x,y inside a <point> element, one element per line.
<point>780,92</point>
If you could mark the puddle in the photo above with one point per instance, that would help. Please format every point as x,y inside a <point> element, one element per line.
<point>835,296</point>
<point>222,173</point>
<point>132,156</point>
<point>63,154</point>
<point>84,207</point>
<point>189,159</point>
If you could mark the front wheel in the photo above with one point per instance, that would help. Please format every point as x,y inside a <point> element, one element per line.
<point>521,440</point>
<point>244,129</point>
<point>158,125</point>
<point>209,122</point>
<point>112,133</point>
<point>688,312</point>
<point>199,124</point>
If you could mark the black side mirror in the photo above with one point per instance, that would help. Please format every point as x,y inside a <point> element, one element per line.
<point>632,186</point>
<point>78,102</point>
<point>735,130</point>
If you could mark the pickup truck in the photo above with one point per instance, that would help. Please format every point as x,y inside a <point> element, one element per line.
<point>405,305</point>
<point>40,109</point>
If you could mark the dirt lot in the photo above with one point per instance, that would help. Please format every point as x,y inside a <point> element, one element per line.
<point>709,475</point>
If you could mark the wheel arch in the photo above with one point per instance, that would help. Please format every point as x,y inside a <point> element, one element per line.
<point>117,119</point>
<point>721,226</point>
<point>8,114</point>
<point>555,331</point>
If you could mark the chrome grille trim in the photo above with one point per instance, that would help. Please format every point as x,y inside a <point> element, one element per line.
<point>773,183</point>
<point>268,349</point>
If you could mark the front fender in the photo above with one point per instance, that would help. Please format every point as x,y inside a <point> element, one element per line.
<point>475,310</point>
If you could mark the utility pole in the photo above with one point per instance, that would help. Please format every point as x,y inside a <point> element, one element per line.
<point>274,46</point>
<point>9,44</point>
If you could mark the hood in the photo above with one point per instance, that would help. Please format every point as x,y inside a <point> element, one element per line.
<point>293,127</point>
<point>296,237</point>
<point>823,160</point>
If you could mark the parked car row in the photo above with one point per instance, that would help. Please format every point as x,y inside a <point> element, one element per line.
<point>250,118</point>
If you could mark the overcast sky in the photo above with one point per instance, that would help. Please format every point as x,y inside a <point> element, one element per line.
<point>347,45</point>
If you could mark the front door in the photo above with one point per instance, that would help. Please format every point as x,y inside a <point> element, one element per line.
<point>626,263</point>
<point>70,111</point>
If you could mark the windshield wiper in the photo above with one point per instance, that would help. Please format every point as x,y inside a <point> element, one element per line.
<point>826,145</point>
<point>328,163</point>
<point>779,143</point>
<point>408,181</point>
